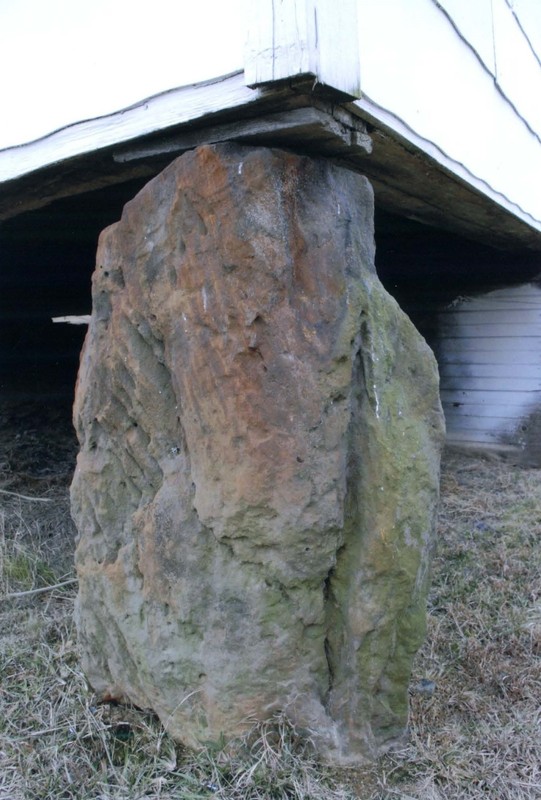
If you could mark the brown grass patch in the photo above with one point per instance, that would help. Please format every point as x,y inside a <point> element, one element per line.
<point>475,727</point>
<point>479,734</point>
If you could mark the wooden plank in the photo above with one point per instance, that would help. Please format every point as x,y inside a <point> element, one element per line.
<point>96,169</point>
<point>477,437</point>
<point>480,421</point>
<point>303,126</point>
<point>73,319</point>
<point>501,449</point>
<point>337,46</point>
<point>490,380</point>
<point>409,184</point>
<point>498,301</point>
<point>482,435</point>
<point>486,411</point>
<point>300,38</point>
<point>488,344</point>
<point>473,358</point>
<point>500,330</point>
<point>474,383</point>
<point>186,104</point>
<point>497,397</point>
<point>490,316</point>
<point>280,42</point>
<point>506,371</point>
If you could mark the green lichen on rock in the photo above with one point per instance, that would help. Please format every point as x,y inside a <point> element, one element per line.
<point>381,578</point>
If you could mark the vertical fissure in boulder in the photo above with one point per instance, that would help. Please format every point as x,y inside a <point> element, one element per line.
<point>330,625</point>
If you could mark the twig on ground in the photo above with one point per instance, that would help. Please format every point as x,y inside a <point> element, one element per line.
<point>29,592</point>
<point>26,497</point>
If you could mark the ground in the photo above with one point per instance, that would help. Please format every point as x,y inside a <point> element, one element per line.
<point>475,693</point>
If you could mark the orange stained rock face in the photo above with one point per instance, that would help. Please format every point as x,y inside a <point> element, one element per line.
<point>237,409</point>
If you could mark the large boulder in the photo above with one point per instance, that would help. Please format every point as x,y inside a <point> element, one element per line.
<point>260,430</point>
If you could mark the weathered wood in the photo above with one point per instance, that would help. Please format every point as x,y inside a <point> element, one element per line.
<point>305,127</point>
<point>502,317</point>
<point>410,184</point>
<point>493,330</point>
<point>82,319</point>
<point>492,370</point>
<point>480,437</point>
<point>480,412</point>
<point>470,431</point>
<point>299,38</point>
<point>485,384</point>
<point>404,180</point>
<point>521,357</point>
<point>184,105</point>
<point>472,423</point>
<point>483,397</point>
<point>94,166</point>
<point>486,344</point>
<point>499,302</point>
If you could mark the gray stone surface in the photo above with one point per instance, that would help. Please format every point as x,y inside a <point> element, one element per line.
<point>259,429</point>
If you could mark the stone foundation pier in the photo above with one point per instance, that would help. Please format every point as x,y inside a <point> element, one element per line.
<point>260,431</point>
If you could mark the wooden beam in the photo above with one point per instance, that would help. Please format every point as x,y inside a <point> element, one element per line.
<point>299,38</point>
<point>303,127</point>
<point>306,123</point>
<point>73,319</point>
<point>187,104</point>
<point>409,183</point>
<point>406,181</point>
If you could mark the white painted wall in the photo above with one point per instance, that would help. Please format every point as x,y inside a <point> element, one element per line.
<point>462,81</point>
<point>63,61</point>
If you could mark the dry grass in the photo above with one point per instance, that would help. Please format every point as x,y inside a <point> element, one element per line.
<point>479,734</point>
<point>476,692</point>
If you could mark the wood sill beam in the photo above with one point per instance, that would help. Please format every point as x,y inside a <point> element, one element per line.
<point>293,116</point>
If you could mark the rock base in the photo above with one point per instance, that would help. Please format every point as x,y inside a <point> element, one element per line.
<point>260,430</point>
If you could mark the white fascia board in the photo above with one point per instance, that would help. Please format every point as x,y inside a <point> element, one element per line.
<point>288,39</point>
<point>173,107</point>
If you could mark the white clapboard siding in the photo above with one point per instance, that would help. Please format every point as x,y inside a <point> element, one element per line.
<point>512,330</point>
<point>481,438</point>
<point>489,354</point>
<point>485,344</point>
<point>480,384</point>
<point>509,315</point>
<point>498,303</point>
<point>477,416</point>
<point>490,358</point>
<point>509,398</point>
<point>493,371</point>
